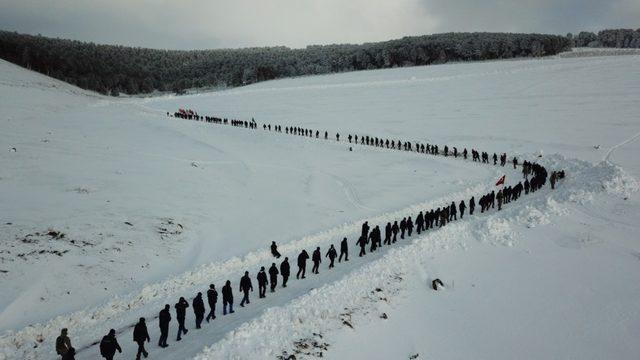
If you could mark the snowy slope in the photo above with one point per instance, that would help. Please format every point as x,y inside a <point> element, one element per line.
<point>88,170</point>
<point>559,267</point>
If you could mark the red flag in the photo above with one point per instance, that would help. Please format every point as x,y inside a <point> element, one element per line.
<point>501,180</point>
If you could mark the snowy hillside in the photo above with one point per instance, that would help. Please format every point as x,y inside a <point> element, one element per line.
<point>110,209</point>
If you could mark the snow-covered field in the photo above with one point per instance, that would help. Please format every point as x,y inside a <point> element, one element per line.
<point>153,208</point>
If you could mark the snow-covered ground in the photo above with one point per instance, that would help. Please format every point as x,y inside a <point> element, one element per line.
<point>153,208</point>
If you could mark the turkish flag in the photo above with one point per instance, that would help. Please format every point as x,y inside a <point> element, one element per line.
<point>501,180</point>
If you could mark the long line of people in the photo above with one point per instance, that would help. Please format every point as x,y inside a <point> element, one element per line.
<point>535,177</point>
<point>397,144</point>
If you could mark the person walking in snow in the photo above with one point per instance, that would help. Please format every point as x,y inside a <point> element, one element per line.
<point>109,345</point>
<point>285,271</point>
<point>164,319</point>
<point>245,287</point>
<point>198,309</point>
<point>63,343</point>
<point>302,264</point>
<point>453,212</point>
<point>372,240</point>
<point>262,283</point>
<point>387,234</point>
<point>362,241</point>
<point>181,312</point>
<point>331,254</point>
<point>462,207</point>
<point>274,250</point>
<point>472,205</point>
<point>409,226</point>
<point>419,222</point>
<point>273,276</point>
<point>499,197</point>
<point>403,227</point>
<point>344,250</point>
<point>394,229</point>
<point>365,230</point>
<point>316,257</point>
<point>227,298</point>
<point>212,299</point>
<point>140,335</point>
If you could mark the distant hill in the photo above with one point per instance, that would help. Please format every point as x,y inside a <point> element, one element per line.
<point>113,70</point>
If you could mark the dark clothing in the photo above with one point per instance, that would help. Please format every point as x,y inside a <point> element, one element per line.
<point>331,254</point>
<point>245,286</point>
<point>274,250</point>
<point>302,264</point>
<point>285,271</point>
<point>387,234</point>
<point>164,319</point>
<point>365,230</point>
<point>140,332</point>
<point>70,354</point>
<point>262,283</point>
<point>181,312</point>
<point>227,299</point>
<point>198,310</point>
<point>316,258</point>
<point>363,244</point>
<point>108,347</point>
<point>344,250</point>
<point>140,335</point>
<point>394,230</point>
<point>212,299</point>
<point>63,344</point>
<point>273,277</point>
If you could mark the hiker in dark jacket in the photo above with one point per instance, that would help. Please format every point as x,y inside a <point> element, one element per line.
<point>453,212</point>
<point>302,263</point>
<point>198,309</point>
<point>387,234</point>
<point>181,312</point>
<point>245,286</point>
<point>262,282</point>
<point>462,207</point>
<point>344,250</point>
<point>164,319</point>
<point>63,343</point>
<point>227,298</point>
<point>140,335</point>
<point>362,242</point>
<point>109,345</point>
<point>273,276</point>
<point>212,299</point>
<point>365,230</point>
<point>317,259</point>
<point>394,230</point>
<point>285,271</point>
<point>419,223</point>
<point>472,205</point>
<point>331,254</point>
<point>274,250</point>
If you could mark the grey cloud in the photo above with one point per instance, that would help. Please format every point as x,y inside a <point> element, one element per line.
<point>188,24</point>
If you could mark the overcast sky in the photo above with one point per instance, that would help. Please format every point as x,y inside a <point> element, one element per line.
<point>201,24</point>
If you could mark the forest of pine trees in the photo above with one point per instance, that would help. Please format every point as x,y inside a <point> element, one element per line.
<point>113,70</point>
